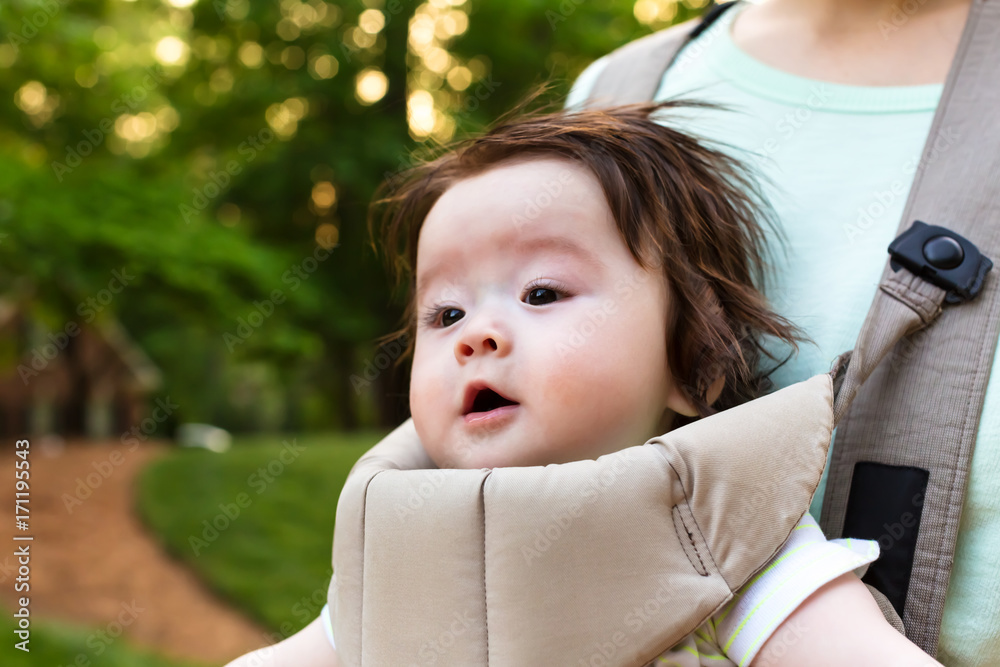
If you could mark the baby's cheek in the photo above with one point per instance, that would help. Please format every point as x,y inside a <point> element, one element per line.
<point>588,404</point>
<point>427,398</point>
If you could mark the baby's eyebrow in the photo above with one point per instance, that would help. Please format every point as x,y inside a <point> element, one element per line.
<point>561,244</point>
<point>528,245</point>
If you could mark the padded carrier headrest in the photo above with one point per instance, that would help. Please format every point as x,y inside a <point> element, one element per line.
<point>546,565</point>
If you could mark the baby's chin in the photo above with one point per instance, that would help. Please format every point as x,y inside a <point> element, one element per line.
<point>517,454</point>
<point>493,452</point>
<point>463,458</point>
<point>522,443</point>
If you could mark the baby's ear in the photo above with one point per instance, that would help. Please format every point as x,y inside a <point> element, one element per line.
<point>679,402</point>
<point>715,390</point>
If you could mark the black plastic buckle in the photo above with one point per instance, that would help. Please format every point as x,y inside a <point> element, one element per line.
<point>942,258</point>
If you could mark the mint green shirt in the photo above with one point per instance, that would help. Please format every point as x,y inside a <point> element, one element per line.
<point>837,163</point>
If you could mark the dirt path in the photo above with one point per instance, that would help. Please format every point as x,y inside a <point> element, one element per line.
<point>98,566</point>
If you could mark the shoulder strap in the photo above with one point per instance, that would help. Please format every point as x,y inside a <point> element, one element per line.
<point>902,454</point>
<point>634,71</point>
<point>901,461</point>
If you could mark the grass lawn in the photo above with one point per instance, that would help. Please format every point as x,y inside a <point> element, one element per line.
<point>55,645</point>
<point>256,523</point>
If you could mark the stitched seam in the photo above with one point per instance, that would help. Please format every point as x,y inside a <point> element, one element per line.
<point>703,571</point>
<point>687,502</point>
<point>702,535</point>
<point>674,515</point>
<point>486,608</point>
<point>364,528</point>
<point>986,352</point>
<point>938,569</point>
<point>926,308</point>
<point>970,406</point>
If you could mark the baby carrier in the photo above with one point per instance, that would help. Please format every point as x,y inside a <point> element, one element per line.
<point>900,468</point>
<point>522,566</point>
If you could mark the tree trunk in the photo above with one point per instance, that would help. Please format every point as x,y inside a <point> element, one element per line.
<point>342,354</point>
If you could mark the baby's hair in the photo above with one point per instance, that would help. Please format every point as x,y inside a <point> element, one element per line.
<point>682,207</point>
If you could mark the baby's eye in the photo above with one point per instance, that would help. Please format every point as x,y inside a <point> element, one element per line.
<point>540,296</point>
<point>451,315</point>
<point>442,317</point>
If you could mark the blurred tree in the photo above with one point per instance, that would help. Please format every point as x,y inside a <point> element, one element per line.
<point>224,152</point>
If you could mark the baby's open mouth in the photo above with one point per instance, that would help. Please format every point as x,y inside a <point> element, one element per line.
<point>485,400</point>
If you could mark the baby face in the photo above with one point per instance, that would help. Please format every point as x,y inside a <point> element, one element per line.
<point>539,339</point>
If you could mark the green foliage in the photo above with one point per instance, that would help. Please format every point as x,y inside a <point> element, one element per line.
<point>272,558</point>
<point>70,245</point>
<point>198,176</point>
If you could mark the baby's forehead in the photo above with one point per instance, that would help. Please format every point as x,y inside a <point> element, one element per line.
<point>518,197</point>
<point>515,251</point>
<point>519,210</point>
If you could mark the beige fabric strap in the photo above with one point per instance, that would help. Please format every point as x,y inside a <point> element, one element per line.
<point>634,71</point>
<point>909,414</point>
<point>922,409</point>
<point>903,304</point>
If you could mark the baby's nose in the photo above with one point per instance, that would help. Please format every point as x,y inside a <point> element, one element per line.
<point>480,339</point>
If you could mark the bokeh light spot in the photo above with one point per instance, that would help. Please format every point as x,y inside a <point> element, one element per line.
<point>327,235</point>
<point>172,50</point>
<point>371,85</point>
